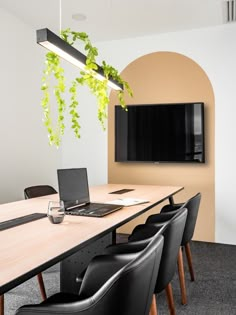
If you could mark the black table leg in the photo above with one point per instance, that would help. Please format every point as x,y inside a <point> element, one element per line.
<point>171,200</point>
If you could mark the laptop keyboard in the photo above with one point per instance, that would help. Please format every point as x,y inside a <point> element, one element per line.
<point>94,210</point>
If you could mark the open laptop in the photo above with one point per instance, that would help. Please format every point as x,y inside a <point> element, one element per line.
<point>74,191</point>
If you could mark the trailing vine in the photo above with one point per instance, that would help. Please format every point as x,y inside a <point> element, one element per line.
<point>53,67</point>
<point>87,77</point>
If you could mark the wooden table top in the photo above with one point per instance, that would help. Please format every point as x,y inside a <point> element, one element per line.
<point>30,248</point>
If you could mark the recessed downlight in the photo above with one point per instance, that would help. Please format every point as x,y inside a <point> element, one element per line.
<point>79,17</point>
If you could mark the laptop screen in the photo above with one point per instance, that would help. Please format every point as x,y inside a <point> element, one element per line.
<point>73,185</point>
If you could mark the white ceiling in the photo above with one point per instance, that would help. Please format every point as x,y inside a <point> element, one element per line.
<point>116,19</point>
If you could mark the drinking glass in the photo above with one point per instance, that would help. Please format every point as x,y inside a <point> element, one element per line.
<point>56,211</point>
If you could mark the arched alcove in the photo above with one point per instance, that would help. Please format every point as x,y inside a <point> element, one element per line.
<point>169,77</point>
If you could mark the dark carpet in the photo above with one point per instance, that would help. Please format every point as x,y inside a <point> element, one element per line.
<point>213,292</point>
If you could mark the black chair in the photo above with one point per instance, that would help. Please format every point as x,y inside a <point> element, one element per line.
<point>39,191</point>
<point>33,192</point>
<point>171,227</point>
<point>121,284</point>
<point>193,206</point>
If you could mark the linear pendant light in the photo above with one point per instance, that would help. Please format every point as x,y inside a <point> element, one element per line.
<point>54,43</point>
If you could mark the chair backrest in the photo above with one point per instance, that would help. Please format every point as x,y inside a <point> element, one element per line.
<point>39,191</point>
<point>193,206</point>
<point>129,290</point>
<point>173,234</point>
<point>138,240</point>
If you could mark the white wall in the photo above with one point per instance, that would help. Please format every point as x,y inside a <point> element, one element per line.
<point>25,156</point>
<point>214,49</point>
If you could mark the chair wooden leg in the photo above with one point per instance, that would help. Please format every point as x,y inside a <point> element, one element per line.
<point>42,290</point>
<point>1,304</point>
<point>170,299</point>
<point>189,259</point>
<point>182,277</point>
<point>153,309</point>
<point>41,286</point>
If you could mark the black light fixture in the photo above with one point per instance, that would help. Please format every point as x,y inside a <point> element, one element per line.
<point>54,43</point>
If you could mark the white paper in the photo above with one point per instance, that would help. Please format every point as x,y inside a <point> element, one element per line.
<point>126,202</point>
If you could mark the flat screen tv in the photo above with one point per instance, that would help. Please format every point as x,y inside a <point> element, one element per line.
<point>160,133</point>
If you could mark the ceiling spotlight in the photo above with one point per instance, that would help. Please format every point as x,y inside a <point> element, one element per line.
<point>79,17</point>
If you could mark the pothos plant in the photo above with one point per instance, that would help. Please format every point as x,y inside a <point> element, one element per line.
<point>97,87</point>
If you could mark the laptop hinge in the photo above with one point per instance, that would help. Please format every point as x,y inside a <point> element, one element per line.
<point>77,206</point>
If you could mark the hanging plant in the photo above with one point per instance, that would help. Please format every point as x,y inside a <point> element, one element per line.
<point>97,87</point>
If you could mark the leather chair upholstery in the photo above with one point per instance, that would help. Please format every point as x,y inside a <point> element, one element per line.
<point>39,191</point>
<point>142,239</point>
<point>117,284</point>
<point>171,227</point>
<point>193,206</point>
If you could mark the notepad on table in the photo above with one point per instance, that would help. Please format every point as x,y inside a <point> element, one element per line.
<point>126,202</point>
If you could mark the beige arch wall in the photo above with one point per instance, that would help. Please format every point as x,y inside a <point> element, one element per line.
<point>167,77</point>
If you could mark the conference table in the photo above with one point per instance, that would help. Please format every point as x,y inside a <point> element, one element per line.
<point>27,249</point>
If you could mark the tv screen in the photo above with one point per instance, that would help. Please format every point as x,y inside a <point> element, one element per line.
<point>160,133</point>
